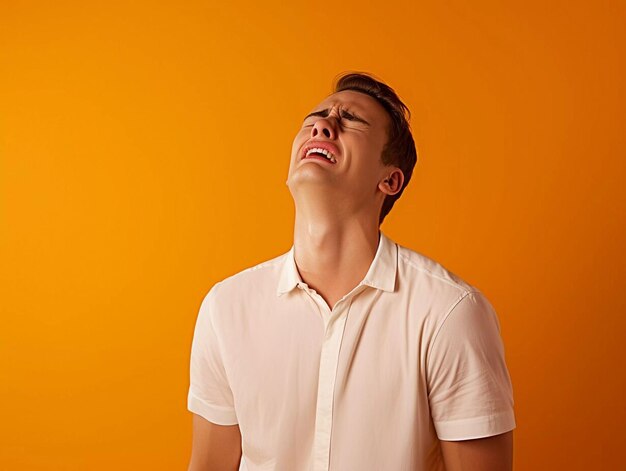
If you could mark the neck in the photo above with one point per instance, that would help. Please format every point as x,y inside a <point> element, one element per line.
<point>333,252</point>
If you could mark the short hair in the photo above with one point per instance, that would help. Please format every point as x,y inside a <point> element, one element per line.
<point>400,147</point>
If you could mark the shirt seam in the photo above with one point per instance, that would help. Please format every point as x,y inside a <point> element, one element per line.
<point>210,405</point>
<point>443,322</point>
<point>412,264</point>
<point>267,264</point>
<point>472,420</point>
<point>341,343</point>
<point>481,427</point>
<point>274,261</point>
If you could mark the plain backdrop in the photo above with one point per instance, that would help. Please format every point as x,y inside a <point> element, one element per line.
<point>144,149</point>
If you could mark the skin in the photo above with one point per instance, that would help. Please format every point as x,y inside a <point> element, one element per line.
<point>214,447</point>
<point>337,206</point>
<point>335,238</point>
<point>483,454</point>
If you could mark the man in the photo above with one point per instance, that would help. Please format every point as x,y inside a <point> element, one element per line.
<point>349,352</point>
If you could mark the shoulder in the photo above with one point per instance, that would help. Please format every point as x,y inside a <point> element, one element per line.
<point>252,282</point>
<point>422,270</point>
<point>438,290</point>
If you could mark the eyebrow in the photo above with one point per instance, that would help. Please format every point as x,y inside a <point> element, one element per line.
<point>324,113</point>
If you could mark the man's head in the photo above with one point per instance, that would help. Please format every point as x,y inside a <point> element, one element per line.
<point>400,148</point>
<point>363,129</point>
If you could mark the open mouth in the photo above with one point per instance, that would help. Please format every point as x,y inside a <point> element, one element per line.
<point>320,153</point>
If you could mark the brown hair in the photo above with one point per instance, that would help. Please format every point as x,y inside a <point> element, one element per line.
<point>400,147</point>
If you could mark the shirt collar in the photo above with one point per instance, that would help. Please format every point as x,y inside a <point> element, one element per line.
<point>381,274</point>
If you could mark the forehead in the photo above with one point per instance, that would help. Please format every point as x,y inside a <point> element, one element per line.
<point>357,102</point>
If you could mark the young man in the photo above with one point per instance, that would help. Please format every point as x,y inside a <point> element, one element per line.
<point>349,352</point>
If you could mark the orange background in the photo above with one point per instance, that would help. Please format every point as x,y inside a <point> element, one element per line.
<point>144,149</point>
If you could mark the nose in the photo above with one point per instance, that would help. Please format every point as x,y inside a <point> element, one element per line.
<point>324,127</point>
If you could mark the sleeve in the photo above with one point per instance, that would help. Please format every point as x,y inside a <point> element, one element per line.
<point>209,395</point>
<point>469,387</point>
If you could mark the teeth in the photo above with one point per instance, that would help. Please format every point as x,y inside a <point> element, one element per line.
<point>325,152</point>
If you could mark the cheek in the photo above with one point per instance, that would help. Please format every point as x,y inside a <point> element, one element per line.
<point>299,140</point>
<point>370,165</point>
<point>294,148</point>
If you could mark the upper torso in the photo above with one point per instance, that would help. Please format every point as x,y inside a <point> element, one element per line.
<point>317,389</point>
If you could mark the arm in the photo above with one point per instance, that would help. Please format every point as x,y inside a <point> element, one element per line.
<point>483,454</point>
<point>216,442</point>
<point>214,447</point>
<point>470,389</point>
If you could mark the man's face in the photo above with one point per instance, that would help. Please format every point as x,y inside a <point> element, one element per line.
<point>351,129</point>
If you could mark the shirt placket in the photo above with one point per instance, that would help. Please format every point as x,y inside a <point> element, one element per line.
<point>334,322</point>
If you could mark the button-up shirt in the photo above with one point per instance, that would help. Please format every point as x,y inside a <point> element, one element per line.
<point>411,356</point>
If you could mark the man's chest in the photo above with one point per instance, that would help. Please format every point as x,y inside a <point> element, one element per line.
<point>280,360</point>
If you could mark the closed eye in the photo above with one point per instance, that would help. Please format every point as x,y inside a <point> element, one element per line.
<point>351,117</point>
<point>342,113</point>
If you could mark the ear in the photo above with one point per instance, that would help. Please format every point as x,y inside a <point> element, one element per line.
<point>392,183</point>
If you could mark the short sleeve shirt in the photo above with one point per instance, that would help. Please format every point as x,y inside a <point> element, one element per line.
<point>411,356</point>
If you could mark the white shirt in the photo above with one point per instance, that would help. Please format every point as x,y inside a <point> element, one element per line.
<point>410,356</point>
